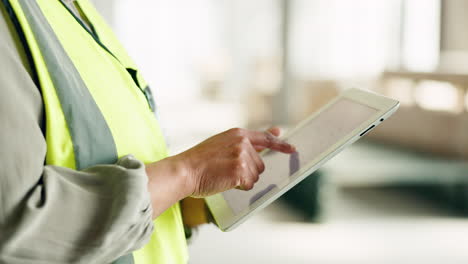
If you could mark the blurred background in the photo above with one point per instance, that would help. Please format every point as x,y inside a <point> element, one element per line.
<point>400,195</point>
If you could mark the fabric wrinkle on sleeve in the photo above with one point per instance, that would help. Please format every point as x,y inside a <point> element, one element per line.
<point>82,217</point>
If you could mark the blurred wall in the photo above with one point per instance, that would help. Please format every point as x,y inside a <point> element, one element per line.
<point>454,41</point>
<point>454,24</point>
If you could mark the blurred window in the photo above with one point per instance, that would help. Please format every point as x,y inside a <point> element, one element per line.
<point>421,35</point>
<point>341,39</point>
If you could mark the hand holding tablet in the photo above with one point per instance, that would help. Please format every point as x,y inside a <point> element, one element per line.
<point>317,139</point>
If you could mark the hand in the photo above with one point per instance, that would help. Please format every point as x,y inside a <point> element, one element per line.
<point>222,162</point>
<point>275,131</point>
<point>194,210</point>
<point>228,160</point>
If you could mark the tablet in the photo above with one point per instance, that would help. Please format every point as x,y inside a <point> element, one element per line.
<point>317,139</point>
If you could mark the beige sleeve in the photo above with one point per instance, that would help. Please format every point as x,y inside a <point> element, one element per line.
<point>51,214</point>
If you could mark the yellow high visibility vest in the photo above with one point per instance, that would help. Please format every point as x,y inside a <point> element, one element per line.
<point>98,108</point>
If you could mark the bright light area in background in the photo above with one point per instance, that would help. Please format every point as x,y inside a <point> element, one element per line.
<point>429,95</point>
<point>343,39</point>
<point>170,41</point>
<point>421,35</point>
<point>179,46</point>
<point>401,90</point>
<point>437,96</point>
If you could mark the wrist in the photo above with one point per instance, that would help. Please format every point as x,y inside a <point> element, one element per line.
<point>179,166</point>
<point>173,170</point>
<point>168,183</point>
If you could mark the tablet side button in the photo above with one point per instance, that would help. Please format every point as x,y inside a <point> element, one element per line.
<point>367,130</point>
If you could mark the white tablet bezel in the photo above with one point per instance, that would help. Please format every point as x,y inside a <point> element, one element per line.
<point>223,214</point>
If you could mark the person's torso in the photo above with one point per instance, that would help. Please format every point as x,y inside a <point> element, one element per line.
<point>97,106</point>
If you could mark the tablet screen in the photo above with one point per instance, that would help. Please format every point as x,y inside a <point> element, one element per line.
<point>314,138</point>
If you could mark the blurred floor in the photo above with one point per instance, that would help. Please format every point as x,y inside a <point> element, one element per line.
<point>362,226</point>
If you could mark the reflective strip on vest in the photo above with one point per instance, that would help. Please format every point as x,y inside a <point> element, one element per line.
<point>95,110</point>
<point>92,140</point>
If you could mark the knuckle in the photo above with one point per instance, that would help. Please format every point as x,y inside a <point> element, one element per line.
<point>256,178</point>
<point>261,167</point>
<point>236,131</point>
<point>242,165</point>
<point>249,186</point>
<point>239,164</point>
<point>244,140</point>
<point>238,150</point>
<point>241,140</point>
